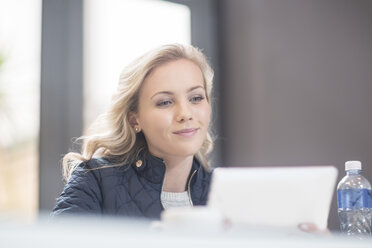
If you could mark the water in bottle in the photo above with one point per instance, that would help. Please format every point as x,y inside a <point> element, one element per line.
<point>354,199</point>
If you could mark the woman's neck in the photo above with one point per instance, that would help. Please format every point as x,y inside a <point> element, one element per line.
<point>176,173</point>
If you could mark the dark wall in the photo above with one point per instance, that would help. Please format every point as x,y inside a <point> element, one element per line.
<point>60,92</point>
<point>297,83</point>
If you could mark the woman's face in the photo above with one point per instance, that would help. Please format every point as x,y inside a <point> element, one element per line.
<point>173,111</point>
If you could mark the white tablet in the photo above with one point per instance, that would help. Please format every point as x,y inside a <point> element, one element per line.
<point>275,196</point>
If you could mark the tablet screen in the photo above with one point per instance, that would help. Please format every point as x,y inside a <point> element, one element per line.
<point>275,196</point>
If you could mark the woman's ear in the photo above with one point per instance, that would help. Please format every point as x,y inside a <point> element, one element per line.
<point>132,118</point>
<point>133,121</point>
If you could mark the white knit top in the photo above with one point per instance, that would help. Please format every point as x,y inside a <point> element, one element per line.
<point>171,199</point>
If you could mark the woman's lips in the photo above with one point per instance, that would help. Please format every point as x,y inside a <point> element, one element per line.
<point>189,132</point>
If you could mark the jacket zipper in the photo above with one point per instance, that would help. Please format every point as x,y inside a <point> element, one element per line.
<point>162,185</point>
<point>189,187</point>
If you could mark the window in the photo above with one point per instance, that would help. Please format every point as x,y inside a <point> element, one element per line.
<point>20,29</point>
<point>118,31</point>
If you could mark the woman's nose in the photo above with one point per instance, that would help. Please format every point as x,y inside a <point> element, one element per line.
<point>184,112</point>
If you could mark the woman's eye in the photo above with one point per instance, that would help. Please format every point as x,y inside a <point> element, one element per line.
<point>164,103</point>
<point>196,99</point>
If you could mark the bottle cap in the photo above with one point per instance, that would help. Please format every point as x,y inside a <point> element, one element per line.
<point>353,165</point>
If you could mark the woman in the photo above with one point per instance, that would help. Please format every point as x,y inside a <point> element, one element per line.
<point>149,151</point>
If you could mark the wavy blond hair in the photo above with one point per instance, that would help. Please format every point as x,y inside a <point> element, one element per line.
<point>111,134</point>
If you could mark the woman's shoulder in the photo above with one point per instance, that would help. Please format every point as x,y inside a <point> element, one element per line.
<point>100,172</point>
<point>104,166</point>
<point>101,162</point>
<point>95,163</point>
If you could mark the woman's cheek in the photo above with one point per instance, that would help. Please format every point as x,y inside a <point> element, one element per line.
<point>160,120</point>
<point>205,114</point>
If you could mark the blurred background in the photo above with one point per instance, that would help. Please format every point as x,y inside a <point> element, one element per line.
<point>292,87</point>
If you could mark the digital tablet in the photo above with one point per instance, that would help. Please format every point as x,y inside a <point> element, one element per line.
<point>274,196</point>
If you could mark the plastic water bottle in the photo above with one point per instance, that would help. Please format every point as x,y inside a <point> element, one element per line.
<point>354,199</point>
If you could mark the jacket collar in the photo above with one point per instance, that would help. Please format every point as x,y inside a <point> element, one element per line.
<point>153,168</point>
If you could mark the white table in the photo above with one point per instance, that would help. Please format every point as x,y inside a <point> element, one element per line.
<point>103,232</point>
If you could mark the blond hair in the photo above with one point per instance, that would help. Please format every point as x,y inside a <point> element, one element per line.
<point>111,134</point>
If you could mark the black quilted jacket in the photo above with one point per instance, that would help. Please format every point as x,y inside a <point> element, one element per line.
<point>132,191</point>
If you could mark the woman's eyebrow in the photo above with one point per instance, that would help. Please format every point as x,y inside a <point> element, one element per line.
<point>162,92</point>
<point>171,93</point>
<point>195,87</point>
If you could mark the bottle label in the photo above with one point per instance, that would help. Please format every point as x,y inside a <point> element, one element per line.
<point>354,198</point>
